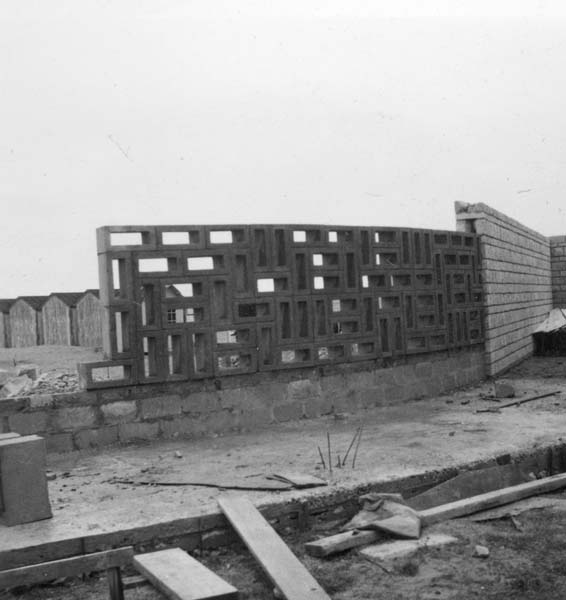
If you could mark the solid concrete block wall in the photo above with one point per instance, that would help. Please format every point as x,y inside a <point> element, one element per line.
<point>558,265</point>
<point>516,274</point>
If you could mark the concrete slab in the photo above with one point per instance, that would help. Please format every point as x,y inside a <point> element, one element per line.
<point>404,442</point>
<point>389,551</point>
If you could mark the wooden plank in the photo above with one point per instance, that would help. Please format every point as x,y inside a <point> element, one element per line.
<point>225,484</point>
<point>468,506</point>
<point>115,586</point>
<point>352,539</point>
<point>66,567</point>
<point>181,577</point>
<point>298,480</point>
<point>284,569</point>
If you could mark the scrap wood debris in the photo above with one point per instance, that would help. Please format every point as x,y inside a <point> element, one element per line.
<point>517,402</point>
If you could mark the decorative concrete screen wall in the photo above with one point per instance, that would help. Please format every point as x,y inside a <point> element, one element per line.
<point>188,302</point>
<point>558,266</point>
<point>517,282</point>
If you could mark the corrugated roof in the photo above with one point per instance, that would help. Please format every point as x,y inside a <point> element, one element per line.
<point>36,302</point>
<point>69,298</point>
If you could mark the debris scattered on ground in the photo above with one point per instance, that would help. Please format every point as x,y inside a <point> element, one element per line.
<point>517,508</point>
<point>178,454</point>
<point>396,549</point>
<point>18,385</point>
<point>298,480</point>
<point>518,402</point>
<point>264,485</point>
<point>504,390</point>
<point>481,551</point>
<point>389,513</point>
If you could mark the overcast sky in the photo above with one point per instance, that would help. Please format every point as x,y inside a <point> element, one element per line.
<point>185,112</point>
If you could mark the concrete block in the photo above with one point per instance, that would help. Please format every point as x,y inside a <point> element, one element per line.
<point>25,496</point>
<point>122,411</point>
<point>200,403</point>
<point>96,438</point>
<point>40,401</point>
<point>160,406</point>
<point>74,417</point>
<point>303,389</point>
<point>186,427</point>
<point>128,432</point>
<point>388,551</point>
<point>28,423</point>
<point>58,443</point>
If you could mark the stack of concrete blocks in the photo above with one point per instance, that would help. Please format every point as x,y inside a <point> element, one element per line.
<point>558,265</point>
<point>516,279</point>
<point>24,496</point>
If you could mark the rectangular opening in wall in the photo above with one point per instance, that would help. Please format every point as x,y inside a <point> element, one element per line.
<point>113,373</point>
<point>174,352</point>
<point>351,276</point>
<point>236,360</point>
<point>194,315</point>
<point>385,237</point>
<point>477,297</point>
<point>201,263</point>
<point>295,356</point>
<point>345,327</point>
<point>425,321</point>
<point>450,328</point>
<point>260,242</point>
<point>406,248</point>
<point>424,279</point>
<point>438,269</point>
<point>122,325</point>
<point>331,352</point>
<point>179,290</point>
<point>345,236</point>
<point>175,238</point>
<point>266,346</point>
<point>119,279</point>
<point>285,319</point>
<point>147,304</point>
<point>474,334</point>
<point>365,246</point>
<point>465,326</point>
<point>464,259</point>
<point>416,343</point>
<point>468,241</point>
<point>387,259</point>
<point>199,352</point>
<point>131,238</point>
<point>389,302</point>
<point>401,280</point>
<point>440,310</point>
<point>437,341</point>
<point>458,327</point>
<point>425,301</point>
<point>331,282</point>
<point>460,298</point>
<point>458,279</point>
<point>301,270</point>
<point>235,336</point>
<point>302,319</point>
<point>266,285</point>
<point>409,312</point>
<point>398,334</point>
<point>336,306</point>
<point>456,240</point>
<point>318,283</point>
<point>368,314</point>
<point>365,281</point>
<point>241,272</point>
<point>175,315</point>
<point>384,335</point>
<point>299,236</point>
<point>474,315</point>
<point>362,348</point>
<point>428,249</point>
<point>149,357</point>
<point>332,237</point>
<point>317,260</point>
<point>417,246</point>
<point>253,310</point>
<point>441,239</point>
<point>221,237</point>
<point>320,312</point>
<point>281,249</point>
<point>220,299</point>
<point>153,265</point>
<point>448,289</point>
<point>450,259</point>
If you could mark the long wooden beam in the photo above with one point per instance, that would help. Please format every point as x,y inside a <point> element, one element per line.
<point>460,508</point>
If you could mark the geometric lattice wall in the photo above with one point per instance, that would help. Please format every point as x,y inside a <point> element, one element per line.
<point>187,302</point>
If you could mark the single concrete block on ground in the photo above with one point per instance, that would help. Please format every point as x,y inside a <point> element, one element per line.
<point>24,492</point>
<point>405,548</point>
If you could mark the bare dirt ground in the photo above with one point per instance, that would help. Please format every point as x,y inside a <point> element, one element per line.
<point>525,563</point>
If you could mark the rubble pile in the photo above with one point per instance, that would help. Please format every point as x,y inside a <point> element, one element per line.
<point>26,380</point>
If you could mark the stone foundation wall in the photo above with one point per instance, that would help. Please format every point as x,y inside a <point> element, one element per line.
<point>76,421</point>
<point>516,278</point>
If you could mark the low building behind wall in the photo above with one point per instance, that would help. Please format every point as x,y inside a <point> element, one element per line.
<point>516,274</point>
<point>5,340</point>
<point>26,324</point>
<point>90,314</point>
<point>59,316</point>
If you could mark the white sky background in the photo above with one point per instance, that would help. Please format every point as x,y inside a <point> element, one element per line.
<point>184,112</point>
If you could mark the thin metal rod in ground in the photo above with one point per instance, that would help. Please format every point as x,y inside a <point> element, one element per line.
<point>350,446</point>
<point>357,446</point>
<point>321,457</point>
<point>329,454</point>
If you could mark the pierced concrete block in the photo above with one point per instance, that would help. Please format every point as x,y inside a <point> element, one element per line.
<point>23,484</point>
